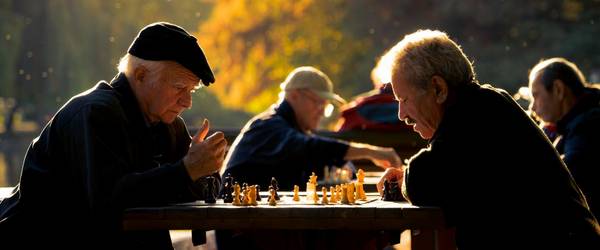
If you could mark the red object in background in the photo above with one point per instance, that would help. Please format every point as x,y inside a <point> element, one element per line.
<point>376,110</point>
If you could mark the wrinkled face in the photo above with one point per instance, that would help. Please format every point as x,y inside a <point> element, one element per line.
<point>309,109</point>
<point>544,103</point>
<point>166,94</point>
<point>417,107</point>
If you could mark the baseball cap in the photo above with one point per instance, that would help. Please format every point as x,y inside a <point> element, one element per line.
<point>307,77</point>
<point>164,41</point>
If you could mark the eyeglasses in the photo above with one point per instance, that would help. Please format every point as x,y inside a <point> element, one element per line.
<point>314,98</point>
<point>318,101</point>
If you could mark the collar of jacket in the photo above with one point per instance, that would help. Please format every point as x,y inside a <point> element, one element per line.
<point>285,110</point>
<point>589,99</point>
<point>129,101</point>
<point>455,100</point>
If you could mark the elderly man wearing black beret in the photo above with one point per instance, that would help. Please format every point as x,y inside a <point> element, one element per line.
<point>117,145</point>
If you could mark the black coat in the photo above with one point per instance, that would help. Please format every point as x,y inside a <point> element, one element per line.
<point>498,179</point>
<point>579,143</point>
<point>96,157</point>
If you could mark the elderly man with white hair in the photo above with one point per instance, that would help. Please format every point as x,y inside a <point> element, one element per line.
<point>117,145</point>
<point>489,167</point>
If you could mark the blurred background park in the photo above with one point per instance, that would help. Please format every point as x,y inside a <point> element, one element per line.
<point>51,50</point>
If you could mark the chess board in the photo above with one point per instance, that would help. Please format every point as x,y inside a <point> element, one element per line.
<point>286,200</point>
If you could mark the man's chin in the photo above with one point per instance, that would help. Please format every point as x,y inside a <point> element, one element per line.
<point>168,119</point>
<point>423,134</point>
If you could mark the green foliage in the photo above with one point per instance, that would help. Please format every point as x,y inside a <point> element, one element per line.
<point>52,50</point>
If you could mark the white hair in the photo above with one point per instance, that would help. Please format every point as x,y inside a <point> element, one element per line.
<point>128,63</point>
<point>426,53</point>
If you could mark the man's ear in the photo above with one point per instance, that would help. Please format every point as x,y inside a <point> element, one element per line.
<point>139,74</point>
<point>558,89</point>
<point>440,89</point>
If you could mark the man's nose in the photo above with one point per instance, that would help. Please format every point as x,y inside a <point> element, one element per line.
<point>401,113</point>
<point>532,106</point>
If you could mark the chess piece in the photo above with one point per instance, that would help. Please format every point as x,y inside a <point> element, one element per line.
<point>245,198</point>
<point>275,186</point>
<point>396,195</point>
<point>236,195</point>
<point>345,194</point>
<point>209,190</point>
<point>324,200</point>
<point>360,192</point>
<point>338,192</point>
<point>228,189</point>
<point>258,193</point>
<point>313,178</point>
<point>296,197</point>
<point>252,196</point>
<point>350,188</point>
<point>360,175</point>
<point>333,197</point>
<point>391,191</point>
<point>272,198</point>
<point>311,187</point>
<point>315,197</point>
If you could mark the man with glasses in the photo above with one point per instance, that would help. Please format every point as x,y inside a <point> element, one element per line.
<point>279,142</point>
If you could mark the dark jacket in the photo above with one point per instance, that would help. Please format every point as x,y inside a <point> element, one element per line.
<point>96,157</point>
<point>498,179</point>
<point>579,142</point>
<point>272,145</point>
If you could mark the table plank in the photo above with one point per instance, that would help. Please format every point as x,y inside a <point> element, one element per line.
<point>375,214</point>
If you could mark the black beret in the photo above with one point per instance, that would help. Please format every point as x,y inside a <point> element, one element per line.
<point>163,41</point>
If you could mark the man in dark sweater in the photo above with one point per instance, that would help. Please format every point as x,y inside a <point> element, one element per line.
<point>560,96</point>
<point>117,145</point>
<point>279,142</point>
<point>489,167</point>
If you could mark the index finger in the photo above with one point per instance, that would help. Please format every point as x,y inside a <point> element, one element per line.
<point>216,137</point>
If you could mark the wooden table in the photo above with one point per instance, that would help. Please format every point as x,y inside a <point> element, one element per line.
<point>374,214</point>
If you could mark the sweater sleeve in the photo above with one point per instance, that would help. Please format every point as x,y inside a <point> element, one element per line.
<point>427,178</point>
<point>101,158</point>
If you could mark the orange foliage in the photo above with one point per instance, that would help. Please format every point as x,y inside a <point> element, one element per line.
<point>253,45</point>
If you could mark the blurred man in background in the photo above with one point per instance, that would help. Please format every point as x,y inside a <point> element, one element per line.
<point>560,96</point>
<point>280,142</point>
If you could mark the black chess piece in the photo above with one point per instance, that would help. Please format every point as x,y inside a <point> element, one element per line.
<point>275,187</point>
<point>209,194</point>
<point>258,193</point>
<point>394,191</point>
<point>391,191</point>
<point>386,190</point>
<point>227,193</point>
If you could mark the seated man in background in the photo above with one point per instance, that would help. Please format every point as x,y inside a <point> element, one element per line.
<point>501,188</point>
<point>560,97</point>
<point>279,142</point>
<point>375,110</point>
